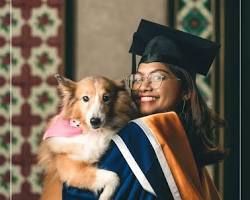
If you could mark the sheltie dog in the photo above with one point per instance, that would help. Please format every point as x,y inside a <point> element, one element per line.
<point>99,107</point>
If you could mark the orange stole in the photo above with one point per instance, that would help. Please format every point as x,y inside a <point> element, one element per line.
<point>193,184</point>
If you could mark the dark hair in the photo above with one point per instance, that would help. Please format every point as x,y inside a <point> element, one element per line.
<point>199,121</point>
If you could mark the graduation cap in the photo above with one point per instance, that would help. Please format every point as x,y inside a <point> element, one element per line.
<point>158,43</point>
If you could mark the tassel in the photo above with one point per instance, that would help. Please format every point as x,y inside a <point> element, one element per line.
<point>133,63</point>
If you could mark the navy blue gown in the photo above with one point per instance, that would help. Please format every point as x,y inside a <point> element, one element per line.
<point>130,188</point>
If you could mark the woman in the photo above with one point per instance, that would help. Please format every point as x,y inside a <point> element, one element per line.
<point>161,159</point>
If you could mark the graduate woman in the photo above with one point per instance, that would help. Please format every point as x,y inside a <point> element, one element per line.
<point>163,154</point>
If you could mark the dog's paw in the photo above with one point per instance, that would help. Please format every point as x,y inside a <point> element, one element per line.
<point>112,182</point>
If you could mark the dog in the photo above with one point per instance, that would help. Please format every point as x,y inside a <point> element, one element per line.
<point>99,108</point>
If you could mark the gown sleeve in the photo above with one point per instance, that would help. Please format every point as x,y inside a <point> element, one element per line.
<point>163,167</point>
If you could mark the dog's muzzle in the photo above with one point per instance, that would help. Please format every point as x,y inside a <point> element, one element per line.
<point>95,122</point>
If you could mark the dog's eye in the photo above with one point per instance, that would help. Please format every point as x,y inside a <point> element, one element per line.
<point>85,98</point>
<point>106,98</point>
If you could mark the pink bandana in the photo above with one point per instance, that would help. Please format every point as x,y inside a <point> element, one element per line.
<point>61,127</point>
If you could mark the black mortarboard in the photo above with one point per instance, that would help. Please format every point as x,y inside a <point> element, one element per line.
<point>155,42</point>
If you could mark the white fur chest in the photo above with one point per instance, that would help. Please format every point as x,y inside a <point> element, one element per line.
<point>88,147</point>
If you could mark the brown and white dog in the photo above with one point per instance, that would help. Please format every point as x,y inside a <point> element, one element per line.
<point>102,107</point>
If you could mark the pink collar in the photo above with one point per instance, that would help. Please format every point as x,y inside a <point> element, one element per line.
<point>61,127</point>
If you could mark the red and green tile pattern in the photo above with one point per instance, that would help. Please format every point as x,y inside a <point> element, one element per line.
<point>195,16</point>
<point>37,35</point>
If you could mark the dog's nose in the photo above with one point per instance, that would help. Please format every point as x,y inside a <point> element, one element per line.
<point>95,122</point>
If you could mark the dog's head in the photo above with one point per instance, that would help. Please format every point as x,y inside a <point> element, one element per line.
<point>97,102</point>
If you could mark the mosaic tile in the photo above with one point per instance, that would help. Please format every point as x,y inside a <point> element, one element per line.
<point>195,17</point>
<point>44,21</point>
<point>36,55</point>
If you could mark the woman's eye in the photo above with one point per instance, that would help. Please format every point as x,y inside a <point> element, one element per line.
<point>157,77</point>
<point>85,98</point>
<point>106,98</point>
<point>137,80</point>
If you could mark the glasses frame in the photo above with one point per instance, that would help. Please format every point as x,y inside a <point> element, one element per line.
<point>163,77</point>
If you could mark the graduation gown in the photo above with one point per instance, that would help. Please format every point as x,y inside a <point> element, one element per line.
<point>153,160</point>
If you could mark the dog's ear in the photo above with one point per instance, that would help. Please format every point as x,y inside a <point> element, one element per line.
<point>66,86</point>
<point>120,83</point>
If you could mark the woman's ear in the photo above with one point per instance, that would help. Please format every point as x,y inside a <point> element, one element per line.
<point>186,95</point>
<point>66,86</point>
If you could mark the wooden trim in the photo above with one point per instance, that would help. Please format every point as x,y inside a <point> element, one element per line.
<point>217,84</point>
<point>170,11</point>
<point>69,39</point>
<point>220,83</point>
<point>232,100</point>
<point>222,93</point>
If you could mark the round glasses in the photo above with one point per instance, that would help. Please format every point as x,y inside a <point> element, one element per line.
<point>134,81</point>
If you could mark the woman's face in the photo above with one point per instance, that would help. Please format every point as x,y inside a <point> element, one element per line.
<point>165,98</point>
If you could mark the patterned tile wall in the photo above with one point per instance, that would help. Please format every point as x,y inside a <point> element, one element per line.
<point>195,16</point>
<point>4,98</point>
<point>36,30</point>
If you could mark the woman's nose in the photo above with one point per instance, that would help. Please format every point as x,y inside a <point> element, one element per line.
<point>145,85</point>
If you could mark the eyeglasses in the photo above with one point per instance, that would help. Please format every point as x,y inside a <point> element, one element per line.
<point>134,81</point>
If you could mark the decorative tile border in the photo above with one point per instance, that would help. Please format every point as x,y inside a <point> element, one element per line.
<point>36,55</point>
<point>195,16</point>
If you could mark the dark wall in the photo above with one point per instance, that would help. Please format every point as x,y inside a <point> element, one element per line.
<point>245,88</point>
<point>69,39</point>
<point>232,98</point>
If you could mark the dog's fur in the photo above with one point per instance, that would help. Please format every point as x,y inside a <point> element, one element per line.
<point>72,159</point>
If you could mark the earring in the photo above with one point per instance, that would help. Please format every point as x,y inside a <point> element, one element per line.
<point>183,106</point>
<point>182,113</point>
